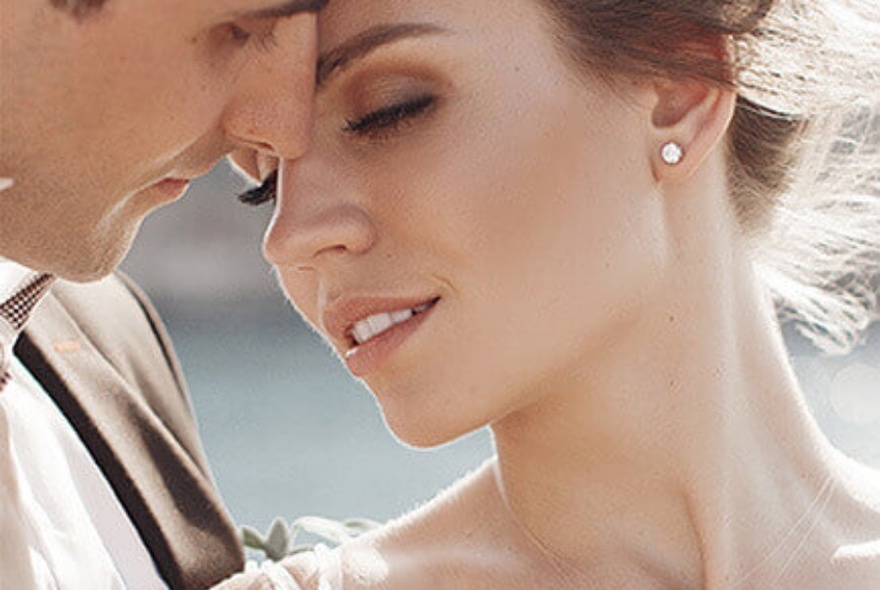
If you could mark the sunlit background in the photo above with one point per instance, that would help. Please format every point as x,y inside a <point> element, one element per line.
<point>288,433</point>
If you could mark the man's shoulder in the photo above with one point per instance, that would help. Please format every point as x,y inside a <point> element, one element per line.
<point>115,297</point>
<point>119,320</point>
<point>109,327</point>
<point>101,352</point>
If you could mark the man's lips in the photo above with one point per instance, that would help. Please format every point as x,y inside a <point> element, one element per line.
<point>354,321</point>
<point>176,185</point>
<point>173,187</point>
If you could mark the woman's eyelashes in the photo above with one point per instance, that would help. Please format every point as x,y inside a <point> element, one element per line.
<point>378,124</point>
<point>264,193</point>
<point>384,121</point>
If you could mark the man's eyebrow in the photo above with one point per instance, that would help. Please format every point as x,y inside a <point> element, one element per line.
<point>285,9</point>
<point>363,43</point>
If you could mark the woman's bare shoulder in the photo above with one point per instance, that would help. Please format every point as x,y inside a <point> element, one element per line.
<point>856,505</point>
<point>445,543</point>
<point>407,552</point>
<point>446,514</point>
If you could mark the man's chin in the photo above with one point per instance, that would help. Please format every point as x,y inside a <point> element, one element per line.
<point>86,276</point>
<point>88,263</point>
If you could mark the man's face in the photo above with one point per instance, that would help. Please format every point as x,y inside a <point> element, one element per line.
<point>104,118</point>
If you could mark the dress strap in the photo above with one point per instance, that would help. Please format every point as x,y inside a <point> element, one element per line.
<point>329,568</point>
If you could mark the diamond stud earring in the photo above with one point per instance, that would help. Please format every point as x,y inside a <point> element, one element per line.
<point>672,153</point>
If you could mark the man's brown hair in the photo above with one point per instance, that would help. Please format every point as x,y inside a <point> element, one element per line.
<point>78,8</point>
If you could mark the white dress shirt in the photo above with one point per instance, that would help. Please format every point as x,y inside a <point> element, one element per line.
<point>77,533</point>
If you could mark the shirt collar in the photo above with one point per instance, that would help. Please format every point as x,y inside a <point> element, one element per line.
<point>13,276</point>
<point>14,280</point>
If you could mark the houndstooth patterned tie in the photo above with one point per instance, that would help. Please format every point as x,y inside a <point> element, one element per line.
<point>14,314</point>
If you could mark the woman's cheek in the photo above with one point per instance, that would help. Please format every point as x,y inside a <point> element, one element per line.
<point>301,289</point>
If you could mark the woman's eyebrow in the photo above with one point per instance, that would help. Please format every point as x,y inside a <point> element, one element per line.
<point>363,43</point>
<point>285,9</point>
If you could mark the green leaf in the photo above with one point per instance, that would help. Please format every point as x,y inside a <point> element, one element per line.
<point>278,540</point>
<point>252,539</point>
<point>331,530</point>
<point>359,526</point>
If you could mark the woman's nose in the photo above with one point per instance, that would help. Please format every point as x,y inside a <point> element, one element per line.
<point>273,107</point>
<point>316,222</point>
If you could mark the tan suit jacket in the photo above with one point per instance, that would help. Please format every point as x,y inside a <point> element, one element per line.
<point>102,354</point>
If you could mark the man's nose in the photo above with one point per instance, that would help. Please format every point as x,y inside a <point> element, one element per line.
<point>272,109</point>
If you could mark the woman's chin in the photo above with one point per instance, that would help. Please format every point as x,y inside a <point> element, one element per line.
<point>424,411</point>
<point>418,438</point>
<point>424,433</point>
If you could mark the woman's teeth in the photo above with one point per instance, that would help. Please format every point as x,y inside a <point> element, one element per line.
<point>374,325</point>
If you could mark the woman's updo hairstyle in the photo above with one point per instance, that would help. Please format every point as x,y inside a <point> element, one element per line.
<point>804,144</point>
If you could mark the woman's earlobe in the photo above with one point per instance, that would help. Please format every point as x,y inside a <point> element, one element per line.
<point>689,120</point>
<point>671,153</point>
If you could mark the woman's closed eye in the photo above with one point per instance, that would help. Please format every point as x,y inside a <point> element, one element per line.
<point>376,125</point>
<point>385,121</point>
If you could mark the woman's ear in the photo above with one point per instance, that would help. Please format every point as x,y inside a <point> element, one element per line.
<point>689,120</point>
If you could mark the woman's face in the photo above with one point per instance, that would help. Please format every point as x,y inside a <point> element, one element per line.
<point>467,187</point>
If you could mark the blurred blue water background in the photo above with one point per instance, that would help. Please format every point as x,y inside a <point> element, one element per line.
<point>289,433</point>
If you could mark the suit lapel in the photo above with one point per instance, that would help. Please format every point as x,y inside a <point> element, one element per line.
<point>164,491</point>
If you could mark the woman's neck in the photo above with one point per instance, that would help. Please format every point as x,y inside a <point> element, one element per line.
<point>683,450</point>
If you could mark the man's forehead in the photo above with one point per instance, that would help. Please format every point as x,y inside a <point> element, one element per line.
<point>239,8</point>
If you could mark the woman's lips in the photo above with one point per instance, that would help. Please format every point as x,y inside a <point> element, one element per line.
<point>367,357</point>
<point>377,323</point>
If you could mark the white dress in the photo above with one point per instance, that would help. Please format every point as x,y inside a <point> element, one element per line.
<point>328,566</point>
